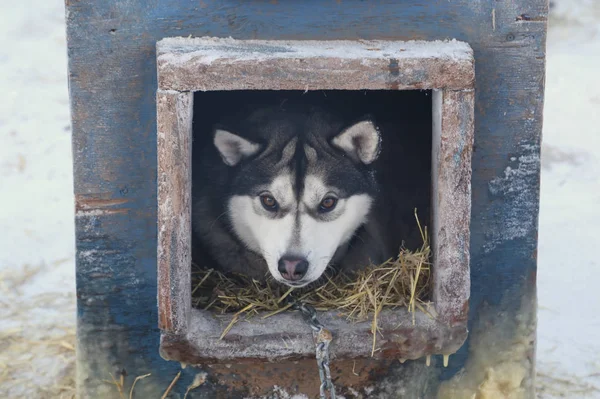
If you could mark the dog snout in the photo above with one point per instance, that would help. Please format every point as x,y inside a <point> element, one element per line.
<point>292,268</point>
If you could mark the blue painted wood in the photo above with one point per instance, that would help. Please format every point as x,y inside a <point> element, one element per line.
<point>113,81</point>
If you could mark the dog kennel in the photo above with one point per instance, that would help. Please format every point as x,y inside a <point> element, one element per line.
<point>136,71</point>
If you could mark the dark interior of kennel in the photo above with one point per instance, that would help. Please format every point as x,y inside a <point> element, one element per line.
<point>405,119</point>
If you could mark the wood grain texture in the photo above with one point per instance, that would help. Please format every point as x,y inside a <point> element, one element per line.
<point>227,64</point>
<point>174,182</point>
<point>112,78</point>
<point>451,174</point>
<point>260,339</point>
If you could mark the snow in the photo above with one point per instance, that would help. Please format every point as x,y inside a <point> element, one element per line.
<point>35,157</point>
<point>569,269</point>
<point>37,285</point>
<point>36,216</point>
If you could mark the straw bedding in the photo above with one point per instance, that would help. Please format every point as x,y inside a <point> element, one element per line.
<point>403,281</point>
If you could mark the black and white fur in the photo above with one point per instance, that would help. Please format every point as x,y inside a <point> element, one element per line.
<point>299,157</point>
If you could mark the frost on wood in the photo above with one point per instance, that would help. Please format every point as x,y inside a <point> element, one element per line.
<point>227,64</point>
<point>262,339</point>
<point>187,65</point>
<point>517,186</point>
<point>286,335</point>
<point>451,173</point>
<point>174,209</point>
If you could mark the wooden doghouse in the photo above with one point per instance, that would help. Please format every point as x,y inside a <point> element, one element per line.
<point>135,71</point>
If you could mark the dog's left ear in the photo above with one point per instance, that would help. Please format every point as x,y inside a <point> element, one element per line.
<point>360,141</point>
<point>233,148</point>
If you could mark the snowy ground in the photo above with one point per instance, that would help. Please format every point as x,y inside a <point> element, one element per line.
<point>37,305</point>
<point>569,303</point>
<point>36,217</point>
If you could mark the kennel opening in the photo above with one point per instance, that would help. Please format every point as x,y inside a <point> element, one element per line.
<point>218,67</point>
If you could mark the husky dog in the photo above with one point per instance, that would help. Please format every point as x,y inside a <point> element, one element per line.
<point>291,191</point>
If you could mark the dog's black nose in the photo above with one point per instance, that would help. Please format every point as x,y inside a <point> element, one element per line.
<point>292,268</point>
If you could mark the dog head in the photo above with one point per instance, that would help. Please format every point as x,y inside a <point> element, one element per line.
<point>301,186</point>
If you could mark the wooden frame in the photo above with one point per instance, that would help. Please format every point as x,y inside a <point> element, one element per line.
<point>204,64</point>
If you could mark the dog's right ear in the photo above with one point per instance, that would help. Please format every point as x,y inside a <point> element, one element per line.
<point>361,142</point>
<point>233,148</point>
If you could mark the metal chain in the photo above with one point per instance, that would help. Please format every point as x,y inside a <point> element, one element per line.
<point>322,338</point>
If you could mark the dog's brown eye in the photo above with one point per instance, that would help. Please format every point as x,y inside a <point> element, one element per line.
<point>328,204</point>
<point>268,202</point>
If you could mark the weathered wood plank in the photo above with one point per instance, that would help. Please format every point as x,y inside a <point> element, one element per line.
<point>174,209</point>
<point>215,64</point>
<point>453,126</point>
<point>112,76</point>
<point>261,339</point>
<point>226,64</point>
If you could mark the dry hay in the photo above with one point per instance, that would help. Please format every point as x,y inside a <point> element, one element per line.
<point>18,371</point>
<point>403,281</point>
<point>119,385</point>
<point>37,339</point>
<point>558,384</point>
